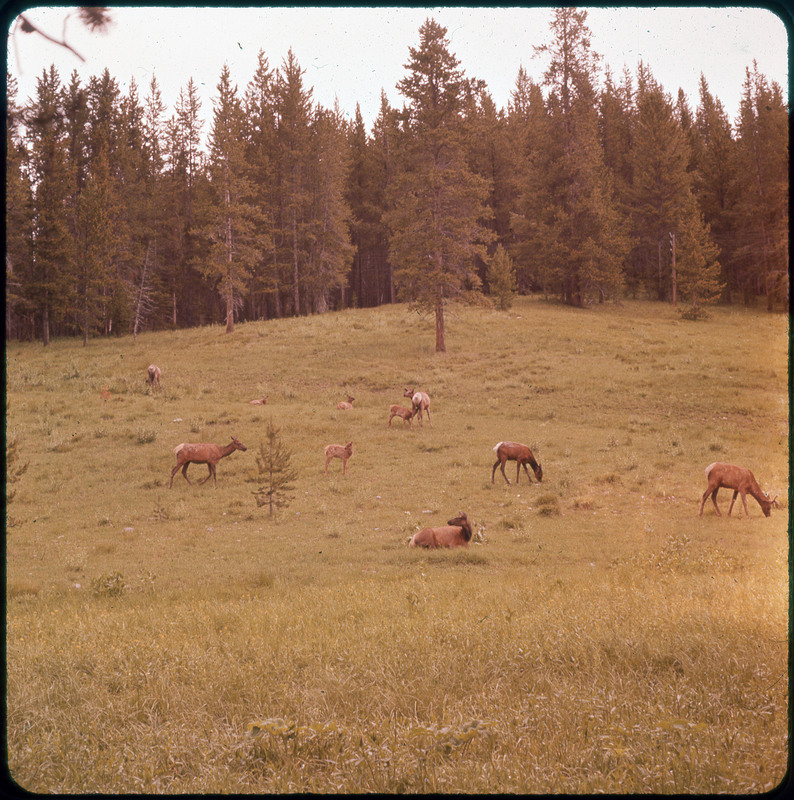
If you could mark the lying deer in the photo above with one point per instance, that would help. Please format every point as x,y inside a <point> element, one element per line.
<point>405,414</point>
<point>741,480</point>
<point>260,401</point>
<point>153,376</point>
<point>209,454</point>
<point>337,451</point>
<point>520,453</point>
<point>456,533</point>
<point>420,402</point>
<point>346,406</point>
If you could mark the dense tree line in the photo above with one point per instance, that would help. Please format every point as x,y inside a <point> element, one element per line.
<point>119,219</point>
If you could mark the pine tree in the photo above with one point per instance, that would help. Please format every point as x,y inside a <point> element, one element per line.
<point>366,207</point>
<point>49,290</point>
<point>762,207</point>
<point>697,267</point>
<point>293,108</point>
<point>716,180</point>
<point>502,278</point>
<point>260,136</point>
<point>275,471</point>
<point>439,204</point>
<point>572,221</point>
<point>186,191</point>
<point>330,253</point>
<point>96,255</point>
<point>660,184</point>
<point>528,140</point>
<point>233,249</point>
<point>375,265</point>
<point>19,218</point>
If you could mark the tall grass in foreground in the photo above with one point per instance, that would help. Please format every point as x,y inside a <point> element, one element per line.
<point>597,637</point>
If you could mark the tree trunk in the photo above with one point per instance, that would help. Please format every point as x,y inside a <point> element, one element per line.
<point>441,345</point>
<point>296,310</point>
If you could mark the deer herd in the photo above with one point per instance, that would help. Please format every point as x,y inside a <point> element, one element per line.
<point>458,531</point>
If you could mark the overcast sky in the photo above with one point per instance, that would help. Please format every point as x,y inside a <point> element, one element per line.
<point>352,53</point>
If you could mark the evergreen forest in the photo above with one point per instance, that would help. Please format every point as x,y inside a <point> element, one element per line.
<point>588,188</point>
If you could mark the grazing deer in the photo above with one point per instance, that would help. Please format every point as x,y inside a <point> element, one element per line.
<point>209,454</point>
<point>420,402</point>
<point>520,453</point>
<point>405,414</point>
<point>741,480</point>
<point>337,451</point>
<point>153,376</point>
<point>456,533</point>
<point>346,406</point>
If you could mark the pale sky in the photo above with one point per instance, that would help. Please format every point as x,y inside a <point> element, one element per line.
<point>352,53</point>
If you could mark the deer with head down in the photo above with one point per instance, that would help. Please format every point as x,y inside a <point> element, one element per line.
<point>742,481</point>
<point>209,454</point>
<point>420,401</point>
<point>456,533</point>
<point>153,376</point>
<point>521,454</point>
<point>405,414</point>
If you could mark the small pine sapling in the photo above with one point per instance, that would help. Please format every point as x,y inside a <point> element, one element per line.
<point>502,278</point>
<point>276,475</point>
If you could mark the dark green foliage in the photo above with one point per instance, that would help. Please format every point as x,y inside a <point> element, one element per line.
<point>502,278</point>
<point>120,219</point>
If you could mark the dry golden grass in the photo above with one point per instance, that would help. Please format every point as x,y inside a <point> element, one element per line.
<point>596,637</point>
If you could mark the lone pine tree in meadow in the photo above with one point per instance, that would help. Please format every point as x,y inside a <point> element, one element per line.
<point>436,222</point>
<point>276,474</point>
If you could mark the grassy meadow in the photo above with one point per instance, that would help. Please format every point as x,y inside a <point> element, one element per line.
<point>597,636</point>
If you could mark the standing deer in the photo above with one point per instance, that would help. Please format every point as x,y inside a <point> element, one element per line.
<point>456,533</point>
<point>520,453</point>
<point>209,454</point>
<point>337,451</point>
<point>741,480</point>
<point>420,402</point>
<point>153,376</point>
<point>346,406</point>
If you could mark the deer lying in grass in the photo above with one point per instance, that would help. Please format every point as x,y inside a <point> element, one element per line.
<point>153,376</point>
<point>520,453</point>
<point>420,402</point>
<point>456,533</point>
<point>260,401</point>
<point>742,481</point>
<point>209,454</point>
<point>405,414</point>
<point>346,406</point>
<point>337,451</point>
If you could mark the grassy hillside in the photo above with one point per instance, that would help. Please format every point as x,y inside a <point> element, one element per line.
<point>598,635</point>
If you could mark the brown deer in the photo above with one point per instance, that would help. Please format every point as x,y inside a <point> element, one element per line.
<point>456,533</point>
<point>260,401</point>
<point>337,451</point>
<point>741,480</point>
<point>209,454</point>
<point>346,406</point>
<point>420,402</point>
<point>520,453</point>
<point>153,376</point>
<point>405,414</point>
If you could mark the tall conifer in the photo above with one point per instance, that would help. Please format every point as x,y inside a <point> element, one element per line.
<point>437,229</point>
